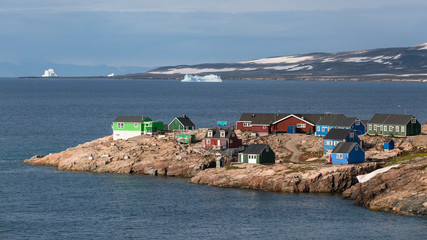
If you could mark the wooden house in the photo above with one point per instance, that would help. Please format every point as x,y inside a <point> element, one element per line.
<point>388,144</point>
<point>347,153</point>
<point>266,123</point>
<point>258,122</point>
<point>181,123</point>
<point>394,125</point>
<point>221,139</point>
<point>125,127</point>
<point>327,123</point>
<point>335,136</point>
<point>257,154</point>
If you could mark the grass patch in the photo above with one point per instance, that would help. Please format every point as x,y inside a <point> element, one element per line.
<point>233,168</point>
<point>308,155</point>
<point>407,156</point>
<point>422,168</point>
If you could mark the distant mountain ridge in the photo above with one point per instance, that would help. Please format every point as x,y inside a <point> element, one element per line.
<point>376,64</point>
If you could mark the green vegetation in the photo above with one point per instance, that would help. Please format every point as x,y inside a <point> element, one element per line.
<point>407,156</point>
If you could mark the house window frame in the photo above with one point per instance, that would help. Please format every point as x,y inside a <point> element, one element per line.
<point>397,129</point>
<point>413,120</point>
<point>264,127</point>
<point>402,129</point>
<point>370,127</point>
<point>352,135</point>
<point>357,148</point>
<point>135,125</point>
<point>323,129</point>
<point>375,127</point>
<point>120,125</point>
<point>252,156</point>
<point>210,133</point>
<point>247,124</point>
<point>208,141</point>
<point>222,134</point>
<point>301,125</point>
<point>339,156</point>
<point>357,122</point>
<point>318,128</point>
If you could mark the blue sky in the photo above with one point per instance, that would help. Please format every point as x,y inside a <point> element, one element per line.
<point>166,32</point>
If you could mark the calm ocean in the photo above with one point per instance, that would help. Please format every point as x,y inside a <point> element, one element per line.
<point>50,115</point>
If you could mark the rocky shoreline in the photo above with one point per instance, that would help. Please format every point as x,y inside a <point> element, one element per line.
<point>299,167</point>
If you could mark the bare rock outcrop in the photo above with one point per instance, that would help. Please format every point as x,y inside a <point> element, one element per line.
<point>401,190</point>
<point>153,155</point>
<point>285,177</point>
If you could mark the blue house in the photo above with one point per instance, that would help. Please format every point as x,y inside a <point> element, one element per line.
<point>388,144</point>
<point>327,123</point>
<point>347,153</point>
<point>337,135</point>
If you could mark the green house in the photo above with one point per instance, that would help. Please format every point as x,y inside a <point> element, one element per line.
<point>125,127</point>
<point>185,138</point>
<point>394,125</point>
<point>257,154</point>
<point>181,123</point>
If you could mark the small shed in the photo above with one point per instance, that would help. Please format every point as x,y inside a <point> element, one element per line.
<point>219,162</point>
<point>388,144</point>
<point>257,154</point>
<point>185,138</point>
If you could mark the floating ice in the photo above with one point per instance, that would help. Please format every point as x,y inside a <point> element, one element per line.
<point>49,73</point>
<point>196,78</point>
<point>110,75</point>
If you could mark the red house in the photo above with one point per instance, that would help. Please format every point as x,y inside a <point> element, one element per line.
<point>266,123</point>
<point>220,139</point>
<point>296,123</point>
<point>258,122</point>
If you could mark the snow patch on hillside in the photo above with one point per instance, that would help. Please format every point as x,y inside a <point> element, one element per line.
<point>193,70</point>
<point>295,67</point>
<point>378,59</point>
<point>329,60</point>
<point>286,59</point>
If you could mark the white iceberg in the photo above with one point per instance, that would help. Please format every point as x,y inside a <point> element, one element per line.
<point>197,78</point>
<point>110,75</point>
<point>49,73</point>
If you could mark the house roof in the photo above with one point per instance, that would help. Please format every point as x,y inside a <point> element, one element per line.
<point>337,134</point>
<point>336,120</point>
<point>262,118</point>
<point>365,122</point>
<point>388,140</point>
<point>185,121</point>
<point>216,132</point>
<point>313,118</point>
<point>342,121</point>
<point>391,119</point>
<point>130,118</point>
<point>344,147</point>
<point>255,148</point>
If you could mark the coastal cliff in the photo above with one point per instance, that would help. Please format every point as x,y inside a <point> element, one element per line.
<point>150,155</point>
<point>299,167</point>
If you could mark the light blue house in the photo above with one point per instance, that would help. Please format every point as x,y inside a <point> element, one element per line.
<point>327,123</point>
<point>335,136</point>
<point>347,153</point>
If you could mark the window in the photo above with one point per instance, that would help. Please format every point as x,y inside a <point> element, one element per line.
<point>375,127</point>
<point>335,143</point>
<point>267,149</point>
<point>413,120</point>
<point>318,128</point>
<point>120,125</point>
<point>370,127</point>
<point>323,129</point>
<point>357,148</point>
<point>381,127</point>
<point>357,122</point>
<point>246,124</point>
<point>135,125</point>
<point>222,134</point>
<point>402,129</point>
<point>252,156</point>
<point>397,128</point>
<point>301,125</point>
<point>352,135</point>
<point>208,141</point>
<point>264,127</point>
<point>390,128</point>
<point>339,155</point>
<point>146,125</point>
<point>209,133</point>
<point>231,141</point>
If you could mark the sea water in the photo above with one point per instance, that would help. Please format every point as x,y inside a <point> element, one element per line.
<point>49,115</point>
